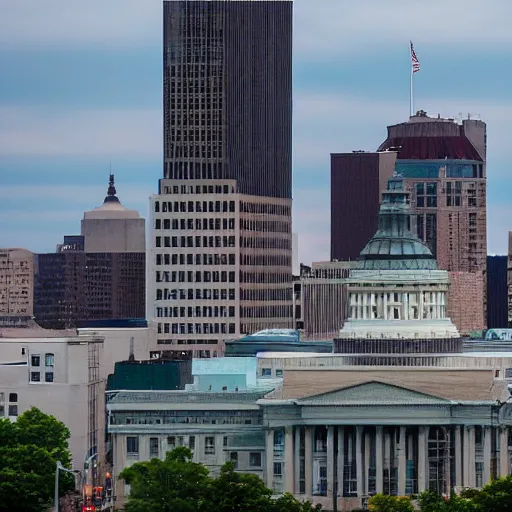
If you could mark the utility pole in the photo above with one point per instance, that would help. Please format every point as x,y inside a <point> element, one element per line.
<point>60,467</point>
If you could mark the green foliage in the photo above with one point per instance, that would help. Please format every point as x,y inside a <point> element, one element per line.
<point>385,503</point>
<point>179,485</point>
<point>29,451</point>
<point>496,496</point>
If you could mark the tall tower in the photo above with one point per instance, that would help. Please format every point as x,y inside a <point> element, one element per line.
<point>220,251</point>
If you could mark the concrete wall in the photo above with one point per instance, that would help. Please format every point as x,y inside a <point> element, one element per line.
<point>114,235</point>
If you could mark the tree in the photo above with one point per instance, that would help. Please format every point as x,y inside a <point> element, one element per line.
<point>29,451</point>
<point>385,503</point>
<point>179,485</point>
<point>176,484</point>
<point>496,496</point>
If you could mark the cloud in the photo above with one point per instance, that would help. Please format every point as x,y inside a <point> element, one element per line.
<point>312,220</point>
<point>50,131</point>
<point>334,27</point>
<point>333,123</point>
<point>322,29</point>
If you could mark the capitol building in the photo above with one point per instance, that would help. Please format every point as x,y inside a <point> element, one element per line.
<point>398,407</point>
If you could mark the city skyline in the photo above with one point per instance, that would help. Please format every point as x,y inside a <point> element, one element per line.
<point>70,103</point>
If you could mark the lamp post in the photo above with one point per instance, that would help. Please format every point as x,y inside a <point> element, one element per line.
<point>60,467</point>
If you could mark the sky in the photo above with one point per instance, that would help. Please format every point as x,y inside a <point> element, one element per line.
<point>80,93</point>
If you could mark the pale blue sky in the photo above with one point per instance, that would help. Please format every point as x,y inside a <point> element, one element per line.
<point>81,83</point>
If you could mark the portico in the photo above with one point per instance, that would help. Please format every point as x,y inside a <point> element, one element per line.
<point>375,437</point>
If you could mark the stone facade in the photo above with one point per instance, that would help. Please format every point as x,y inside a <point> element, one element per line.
<point>465,298</point>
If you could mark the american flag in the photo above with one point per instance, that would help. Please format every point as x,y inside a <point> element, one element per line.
<point>414,60</point>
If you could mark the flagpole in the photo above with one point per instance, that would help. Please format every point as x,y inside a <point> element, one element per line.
<point>411,92</point>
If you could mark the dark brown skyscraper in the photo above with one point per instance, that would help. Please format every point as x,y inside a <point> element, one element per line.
<point>357,180</point>
<point>228,93</point>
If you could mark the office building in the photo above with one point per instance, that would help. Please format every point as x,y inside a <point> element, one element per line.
<point>220,251</point>
<point>97,275</point>
<point>443,164</point>
<point>357,180</point>
<point>16,287</point>
<point>497,292</point>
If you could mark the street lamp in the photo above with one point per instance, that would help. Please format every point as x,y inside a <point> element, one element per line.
<point>58,468</point>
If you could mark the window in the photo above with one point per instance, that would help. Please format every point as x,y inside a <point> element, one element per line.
<point>35,360</point>
<point>192,442</point>
<point>13,397</point>
<point>35,377</point>
<point>209,446</point>
<point>154,447</point>
<point>266,372</point>
<point>49,360</point>
<point>255,459</point>
<point>233,457</point>
<point>279,373</point>
<point>48,377</point>
<point>13,410</point>
<point>278,469</point>
<point>225,441</point>
<point>171,441</point>
<point>132,446</point>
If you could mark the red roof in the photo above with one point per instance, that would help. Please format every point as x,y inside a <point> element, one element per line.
<point>432,148</point>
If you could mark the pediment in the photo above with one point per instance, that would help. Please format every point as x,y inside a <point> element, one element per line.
<point>373,393</point>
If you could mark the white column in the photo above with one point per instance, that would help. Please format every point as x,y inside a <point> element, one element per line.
<point>288,460</point>
<point>364,297</point>
<point>359,461</point>
<point>422,458</point>
<point>379,460</point>
<point>341,459</point>
<point>487,439</point>
<point>504,455</point>
<point>330,462</point>
<point>367,451</point>
<point>458,457</point>
<point>308,460</point>
<point>297,459</point>
<point>406,305</point>
<point>470,451</point>
<point>269,458</point>
<point>465,473</point>
<point>421,305</point>
<point>402,465</point>
<point>385,306</point>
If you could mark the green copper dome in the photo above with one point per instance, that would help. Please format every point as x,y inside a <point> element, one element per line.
<point>394,246</point>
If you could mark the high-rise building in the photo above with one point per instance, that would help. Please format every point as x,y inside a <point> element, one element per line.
<point>497,293</point>
<point>16,286</point>
<point>357,180</point>
<point>443,166</point>
<point>97,275</point>
<point>220,251</point>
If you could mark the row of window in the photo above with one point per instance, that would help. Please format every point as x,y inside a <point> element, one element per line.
<point>263,277</point>
<point>49,360</point>
<point>266,312</point>
<point>205,276</point>
<point>195,294</point>
<point>195,206</point>
<point>262,242</point>
<point>36,376</point>
<point>196,312</point>
<point>265,226</point>
<point>209,448</point>
<point>195,259</point>
<point>195,241</point>
<point>196,224</point>
<point>12,406</point>
<point>195,170</point>
<point>265,208</point>
<point>265,294</point>
<point>197,328</point>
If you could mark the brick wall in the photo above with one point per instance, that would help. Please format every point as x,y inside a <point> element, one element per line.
<point>466,299</point>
